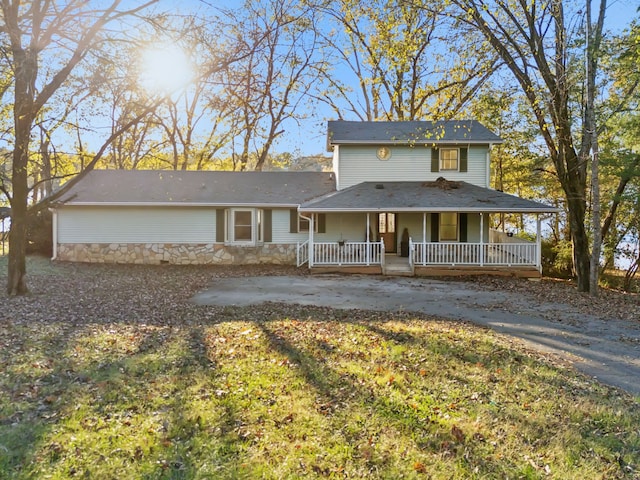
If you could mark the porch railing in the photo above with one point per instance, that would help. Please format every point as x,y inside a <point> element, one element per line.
<point>348,253</point>
<point>302,253</point>
<point>475,254</point>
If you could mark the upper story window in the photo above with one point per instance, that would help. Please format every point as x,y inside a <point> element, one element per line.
<point>449,158</point>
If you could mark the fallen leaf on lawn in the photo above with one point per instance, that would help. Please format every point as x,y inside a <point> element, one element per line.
<point>457,433</point>
<point>420,467</point>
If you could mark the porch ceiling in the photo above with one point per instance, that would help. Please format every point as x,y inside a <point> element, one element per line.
<point>438,196</point>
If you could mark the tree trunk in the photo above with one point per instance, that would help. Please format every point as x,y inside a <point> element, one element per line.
<point>25,72</point>
<point>580,241</point>
<point>595,220</point>
<point>17,284</point>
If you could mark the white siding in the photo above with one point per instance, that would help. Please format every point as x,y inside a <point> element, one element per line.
<point>351,227</point>
<point>360,164</point>
<point>345,226</point>
<point>280,233</point>
<point>412,222</point>
<point>136,225</point>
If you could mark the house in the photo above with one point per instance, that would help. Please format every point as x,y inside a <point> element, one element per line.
<point>403,198</point>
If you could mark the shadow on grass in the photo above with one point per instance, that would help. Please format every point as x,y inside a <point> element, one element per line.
<point>343,395</point>
<point>102,399</point>
<point>162,385</point>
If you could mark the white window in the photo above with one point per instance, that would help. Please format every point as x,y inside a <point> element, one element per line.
<point>449,158</point>
<point>448,227</point>
<point>303,223</point>
<point>244,226</point>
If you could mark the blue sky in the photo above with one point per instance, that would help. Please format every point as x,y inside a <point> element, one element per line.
<point>309,137</point>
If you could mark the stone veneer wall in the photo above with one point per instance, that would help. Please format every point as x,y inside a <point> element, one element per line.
<point>175,253</point>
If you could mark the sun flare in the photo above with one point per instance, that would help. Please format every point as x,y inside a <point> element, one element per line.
<point>166,69</point>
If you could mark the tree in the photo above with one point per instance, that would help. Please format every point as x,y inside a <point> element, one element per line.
<point>64,32</point>
<point>198,120</point>
<point>533,40</point>
<point>279,48</point>
<point>518,163</point>
<point>399,60</point>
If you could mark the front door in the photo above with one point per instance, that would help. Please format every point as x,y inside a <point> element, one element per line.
<point>387,231</point>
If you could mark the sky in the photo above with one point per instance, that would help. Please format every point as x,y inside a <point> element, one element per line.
<point>309,137</point>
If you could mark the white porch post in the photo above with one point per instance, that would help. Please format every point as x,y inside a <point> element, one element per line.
<point>481,239</point>
<point>368,239</point>
<point>423,253</point>
<point>311,230</point>
<point>538,243</point>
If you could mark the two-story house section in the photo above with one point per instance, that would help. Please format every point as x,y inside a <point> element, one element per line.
<point>414,198</point>
<point>410,151</point>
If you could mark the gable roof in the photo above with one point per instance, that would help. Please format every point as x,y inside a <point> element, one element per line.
<point>198,188</point>
<point>438,196</point>
<point>342,132</point>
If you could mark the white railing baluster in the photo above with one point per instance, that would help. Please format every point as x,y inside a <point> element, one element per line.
<point>436,253</point>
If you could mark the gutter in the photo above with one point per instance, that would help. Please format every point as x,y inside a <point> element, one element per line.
<point>177,204</point>
<point>422,141</point>
<point>427,209</point>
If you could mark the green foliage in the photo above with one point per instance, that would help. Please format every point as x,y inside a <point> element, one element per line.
<point>557,258</point>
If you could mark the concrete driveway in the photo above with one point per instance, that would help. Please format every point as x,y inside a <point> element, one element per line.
<point>606,349</point>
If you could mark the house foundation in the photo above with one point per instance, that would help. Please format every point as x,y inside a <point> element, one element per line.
<point>176,253</point>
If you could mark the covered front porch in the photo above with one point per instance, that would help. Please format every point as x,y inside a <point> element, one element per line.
<point>501,253</point>
<point>420,228</point>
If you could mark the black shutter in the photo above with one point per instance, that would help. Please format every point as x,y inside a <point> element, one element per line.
<point>435,160</point>
<point>322,223</point>
<point>220,225</point>
<point>266,227</point>
<point>435,227</point>
<point>464,154</point>
<point>462,218</point>
<point>293,220</point>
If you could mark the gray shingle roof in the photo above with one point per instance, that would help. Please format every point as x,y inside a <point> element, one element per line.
<point>438,196</point>
<point>414,132</point>
<point>145,187</point>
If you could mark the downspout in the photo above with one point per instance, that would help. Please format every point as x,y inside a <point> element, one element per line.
<point>54,227</point>
<point>311,229</point>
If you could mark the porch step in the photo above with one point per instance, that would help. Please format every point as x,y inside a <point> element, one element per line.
<point>398,272</point>
<point>397,266</point>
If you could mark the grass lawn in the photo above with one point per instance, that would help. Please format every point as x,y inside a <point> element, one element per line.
<point>108,372</point>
